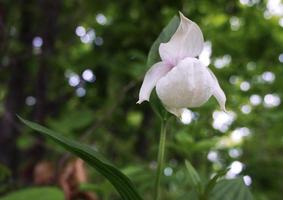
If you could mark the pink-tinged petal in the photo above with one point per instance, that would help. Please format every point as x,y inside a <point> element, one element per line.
<point>187,85</point>
<point>217,92</point>
<point>187,41</point>
<point>156,72</point>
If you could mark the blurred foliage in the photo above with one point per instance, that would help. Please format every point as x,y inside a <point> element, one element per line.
<point>36,193</point>
<point>226,189</point>
<point>36,81</point>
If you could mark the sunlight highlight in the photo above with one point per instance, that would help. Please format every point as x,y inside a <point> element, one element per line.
<point>205,55</point>
<point>246,109</point>
<point>247,180</point>
<point>222,62</point>
<point>101,19</point>
<point>235,152</point>
<point>168,171</point>
<point>80,31</point>
<point>245,86</point>
<point>223,120</point>
<point>88,75</point>
<point>255,99</point>
<point>30,100</point>
<point>235,168</point>
<point>238,134</point>
<point>187,116</point>
<point>80,92</point>
<point>268,77</point>
<point>235,23</point>
<point>275,7</point>
<point>74,80</point>
<point>37,42</point>
<point>271,100</point>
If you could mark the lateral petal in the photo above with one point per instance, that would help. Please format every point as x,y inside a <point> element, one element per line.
<point>217,92</point>
<point>156,72</point>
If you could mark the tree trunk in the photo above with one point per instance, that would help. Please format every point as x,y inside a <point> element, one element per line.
<point>14,99</point>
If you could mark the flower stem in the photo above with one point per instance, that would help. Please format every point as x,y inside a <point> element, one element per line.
<point>161,152</point>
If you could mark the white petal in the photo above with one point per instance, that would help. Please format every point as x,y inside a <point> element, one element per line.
<point>187,41</point>
<point>189,84</point>
<point>218,93</point>
<point>176,111</point>
<point>156,72</point>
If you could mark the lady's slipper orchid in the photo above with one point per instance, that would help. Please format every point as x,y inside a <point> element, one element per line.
<point>181,80</point>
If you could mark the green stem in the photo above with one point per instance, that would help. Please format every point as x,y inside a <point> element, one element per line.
<point>161,152</point>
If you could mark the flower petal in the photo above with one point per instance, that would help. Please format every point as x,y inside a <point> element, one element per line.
<point>176,111</point>
<point>156,72</point>
<point>187,85</point>
<point>187,41</point>
<point>218,93</point>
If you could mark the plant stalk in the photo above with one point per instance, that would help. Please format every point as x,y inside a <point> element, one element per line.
<point>160,162</point>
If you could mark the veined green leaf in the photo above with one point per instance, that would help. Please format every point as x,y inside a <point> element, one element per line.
<point>120,181</point>
<point>234,189</point>
<point>211,184</point>
<point>164,36</point>
<point>193,175</point>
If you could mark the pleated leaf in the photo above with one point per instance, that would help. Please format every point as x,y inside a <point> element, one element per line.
<point>121,182</point>
<point>213,181</point>
<point>234,189</point>
<point>193,175</point>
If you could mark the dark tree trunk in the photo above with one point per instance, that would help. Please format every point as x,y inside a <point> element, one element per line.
<point>14,100</point>
<point>44,15</point>
<point>49,19</point>
<point>48,31</point>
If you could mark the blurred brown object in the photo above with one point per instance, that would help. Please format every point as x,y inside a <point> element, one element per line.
<point>70,179</point>
<point>43,173</point>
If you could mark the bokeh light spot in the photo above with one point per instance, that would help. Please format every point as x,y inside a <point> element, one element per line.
<point>255,99</point>
<point>168,171</point>
<point>80,92</point>
<point>187,116</point>
<point>74,80</point>
<point>222,120</point>
<point>271,100</point>
<point>204,57</point>
<point>101,19</point>
<point>88,75</point>
<point>247,180</point>
<point>30,101</point>
<point>80,31</point>
<point>37,42</point>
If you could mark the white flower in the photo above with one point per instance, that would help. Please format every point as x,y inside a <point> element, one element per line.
<point>181,80</point>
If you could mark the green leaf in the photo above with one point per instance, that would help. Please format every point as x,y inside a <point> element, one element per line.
<point>191,195</point>
<point>211,184</point>
<point>76,120</point>
<point>120,181</point>
<point>42,193</point>
<point>234,189</point>
<point>164,36</point>
<point>193,175</point>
